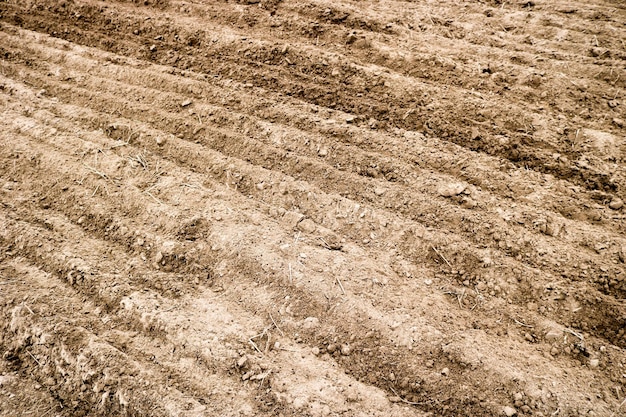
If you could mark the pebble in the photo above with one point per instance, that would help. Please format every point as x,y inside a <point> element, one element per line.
<point>594,363</point>
<point>315,351</point>
<point>450,190</point>
<point>379,191</point>
<point>350,119</point>
<point>242,362</point>
<point>160,140</point>
<point>616,204</point>
<point>428,282</point>
<point>394,399</point>
<point>307,226</point>
<point>553,335</point>
<point>346,350</point>
<point>445,371</point>
<point>323,151</point>
<point>159,257</point>
<point>153,48</point>
<point>509,411</point>
<point>186,103</point>
<point>468,203</point>
<point>618,122</point>
<point>311,323</point>
<point>331,348</point>
<point>622,254</point>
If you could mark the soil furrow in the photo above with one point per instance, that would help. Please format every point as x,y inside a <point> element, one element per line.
<point>363,375</point>
<point>510,238</point>
<point>312,208</point>
<point>519,147</point>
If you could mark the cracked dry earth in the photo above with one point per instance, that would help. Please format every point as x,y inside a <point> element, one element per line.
<point>312,208</point>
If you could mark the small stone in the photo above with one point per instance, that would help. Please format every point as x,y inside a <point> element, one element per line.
<point>346,350</point>
<point>509,411</point>
<point>618,122</point>
<point>450,190</point>
<point>153,48</point>
<point>315,351</point>
<point>331,348</point>
<point>186,103</point>
<point>310,323</point>
<point>445,371</point>
<point>518,396</point>
<point>159,257</point>
<point>350,119</point>
<point>616,204</point>
<point>622,254</point>
<point>428,282</point>
<point>552,229</point>
<point>430,363</point>
<point>160,140</point>
<point>292,218</point>
<point>594,363</point>
<point>299,403</point>
<point>553,335</point>
<point>468,203</point>
<point>242,362</point>
<point>394,399</point>
<point>597,52</point>
<point>379,191</point>
<point>307,226</point>
<point>323,151</point>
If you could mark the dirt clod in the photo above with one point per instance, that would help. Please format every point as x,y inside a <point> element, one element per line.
<point>509,411</point>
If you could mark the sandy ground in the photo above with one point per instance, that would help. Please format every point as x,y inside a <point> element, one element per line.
<point>312,208</point>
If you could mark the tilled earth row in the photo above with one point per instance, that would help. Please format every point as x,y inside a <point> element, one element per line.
<point>312,208</point>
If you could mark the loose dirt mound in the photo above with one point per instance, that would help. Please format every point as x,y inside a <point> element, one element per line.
<point>286,208</point>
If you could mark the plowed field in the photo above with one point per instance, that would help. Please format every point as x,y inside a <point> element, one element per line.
<point>312,208</point>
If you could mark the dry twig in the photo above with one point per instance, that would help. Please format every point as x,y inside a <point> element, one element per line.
<point>99,173</point>
<point>442,257</point>
<point>340,286</point>
<point>523,324</point>
<point>34,358</point>
<point>276,325</point>
<point>405,400</point>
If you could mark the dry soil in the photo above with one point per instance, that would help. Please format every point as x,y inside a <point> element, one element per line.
<point>312,208</point>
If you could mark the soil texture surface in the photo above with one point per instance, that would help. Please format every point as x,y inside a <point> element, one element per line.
<point>312,208</point>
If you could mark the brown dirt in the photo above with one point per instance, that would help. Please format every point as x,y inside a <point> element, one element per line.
<point>287,208</point>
